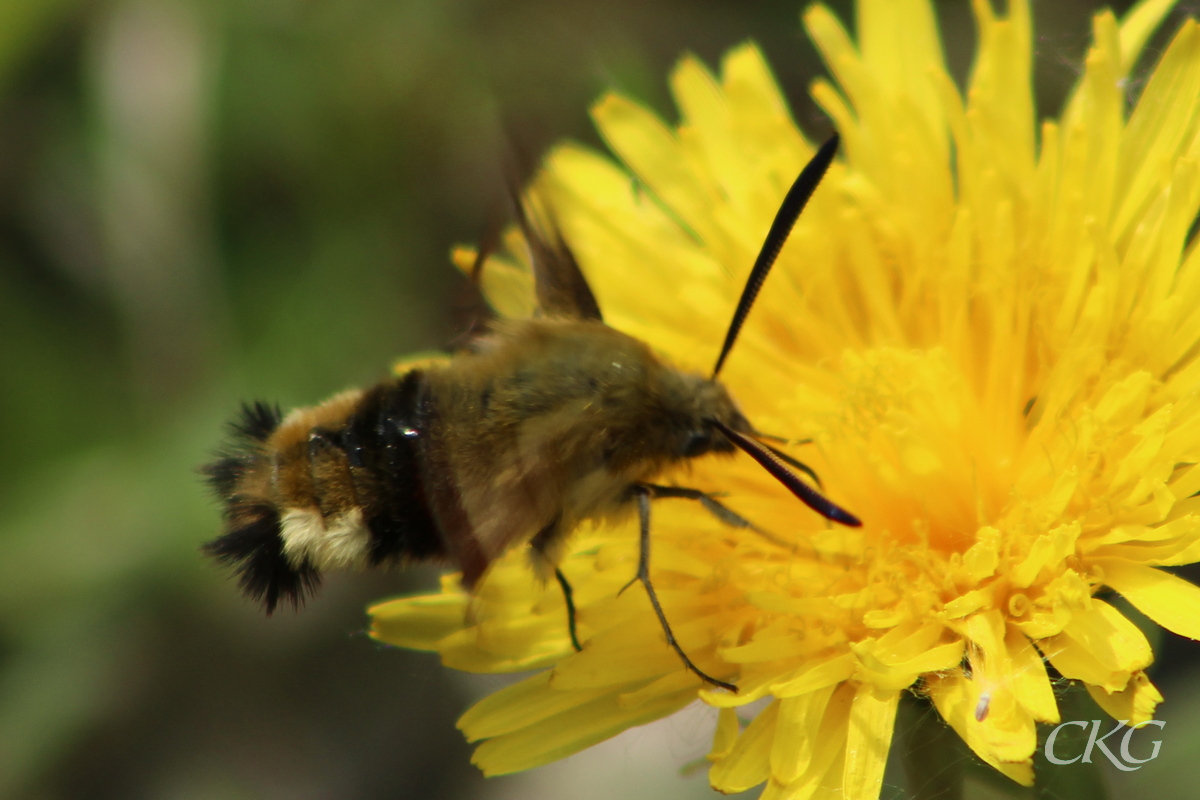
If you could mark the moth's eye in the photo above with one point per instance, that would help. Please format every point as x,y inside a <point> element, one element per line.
<point>697,443</point>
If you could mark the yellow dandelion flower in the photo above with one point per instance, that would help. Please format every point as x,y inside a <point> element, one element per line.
<point>989,331</point>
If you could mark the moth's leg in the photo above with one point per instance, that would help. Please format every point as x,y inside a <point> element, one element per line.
<point>719,510</point>
<point>569,598</point>
<point>540,544</point>
<point>643,494</point>
<point>710,503</point>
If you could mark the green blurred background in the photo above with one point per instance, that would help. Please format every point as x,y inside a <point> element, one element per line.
<point>205,201</point>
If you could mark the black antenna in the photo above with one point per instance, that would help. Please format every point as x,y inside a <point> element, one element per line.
<point>785,219</point>
<point>765,456</point>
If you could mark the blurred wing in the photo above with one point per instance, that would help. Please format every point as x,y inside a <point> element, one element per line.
<point>562,291</point>
<point>471,310</point>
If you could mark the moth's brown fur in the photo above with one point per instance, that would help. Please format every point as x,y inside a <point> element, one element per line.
<point>550,422</point>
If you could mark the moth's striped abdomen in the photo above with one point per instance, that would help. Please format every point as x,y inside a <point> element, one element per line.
<point>333,486</point>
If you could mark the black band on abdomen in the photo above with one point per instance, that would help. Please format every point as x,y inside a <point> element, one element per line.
<point>383,439</point>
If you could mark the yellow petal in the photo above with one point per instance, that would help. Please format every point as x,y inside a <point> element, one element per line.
<point>463,650</point>
<point>904,642</point>
<point>796,733</point>
<point>826,769</point>
<point>678,681</point>
<point>748,763</point>
<point>1163,123</point>
<point>974,600</point>
<point>1135,703</point>
<point>1099,646</point>
<point>816,675</point>
<point>580,725</point>
<point>983,557</point>
<point>656,156</point>
<point>525,703</point>
<point>900,44</point>
<point>725,735</point>
<point>903,675</point>
<point>617,657</point>
<point>1138,25</point>
<point>418,622</point>
<point>1000,94</point>
<point>423,360</point>
<point>957,700</point>
<point>1030,683</point>
<point>1170,601</point>
<point>761,117</point>
<point>507,284</point>
<point>835,46</point>
<point>872,718</point>
<point>991,712</point>
<point>708,123</point>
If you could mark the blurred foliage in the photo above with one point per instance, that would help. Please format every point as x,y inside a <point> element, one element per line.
<point>204,202</point>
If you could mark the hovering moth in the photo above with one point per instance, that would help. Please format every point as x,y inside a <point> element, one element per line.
<point>538,425</point>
